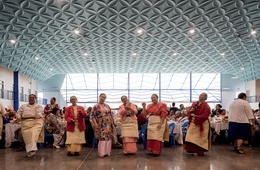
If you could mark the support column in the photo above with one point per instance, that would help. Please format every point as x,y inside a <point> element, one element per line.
<point>16,90</point>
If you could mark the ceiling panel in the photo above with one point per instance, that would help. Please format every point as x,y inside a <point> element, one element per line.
<point>108,34</point>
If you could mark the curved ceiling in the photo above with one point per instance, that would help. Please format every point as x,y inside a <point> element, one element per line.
<point>46,43</point>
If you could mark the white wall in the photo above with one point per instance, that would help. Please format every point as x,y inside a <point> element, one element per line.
<point>59,98</point>
<point>254,105</point>
<point>7,76</point>
<point>227,98</point>
<point>251,88</point>
<point>7,103</point>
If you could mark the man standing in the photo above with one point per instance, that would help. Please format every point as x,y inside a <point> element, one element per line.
<point>240,120</point>
<point>32,124</point>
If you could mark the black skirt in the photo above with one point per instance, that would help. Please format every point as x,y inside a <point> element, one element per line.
<point>240,131</point>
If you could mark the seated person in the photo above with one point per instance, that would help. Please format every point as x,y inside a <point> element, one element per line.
<point>177,116</point>
<point>217,109</point>
<point>141,119</point>
<point>171,116</point>
<point>221,113</point>
<point>54,123</point>
<point>183,118</point>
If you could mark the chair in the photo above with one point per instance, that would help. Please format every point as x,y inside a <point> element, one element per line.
<point>142,134</point>
<point>172,140</point>
<point>43,145</point>
<point>184,128</point>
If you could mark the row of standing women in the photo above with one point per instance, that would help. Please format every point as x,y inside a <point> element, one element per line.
<point>104,126</point>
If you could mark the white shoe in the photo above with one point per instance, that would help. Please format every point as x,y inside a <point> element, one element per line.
<point>30,154</point>
<point>56,146</point>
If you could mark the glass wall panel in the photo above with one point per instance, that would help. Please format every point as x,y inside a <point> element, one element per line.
<point>168,86</point>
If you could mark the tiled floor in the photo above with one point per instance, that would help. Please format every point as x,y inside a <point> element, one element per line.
<point>220,157</point>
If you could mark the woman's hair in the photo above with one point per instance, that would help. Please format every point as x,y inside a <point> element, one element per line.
<point>72,97</point>
<point>33,96</point>
<point>102,94</point>
<point>54,98</point>
<point>219,105</point>
<point>123,96</point>
<point>155,95</point>
<point>54,110</point>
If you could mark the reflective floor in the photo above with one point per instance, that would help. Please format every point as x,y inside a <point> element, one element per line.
<point>220,157</point>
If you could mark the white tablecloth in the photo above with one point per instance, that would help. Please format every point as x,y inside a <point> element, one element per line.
<point>9,133</point>
<point>218,126</point>
<point>177,132</point>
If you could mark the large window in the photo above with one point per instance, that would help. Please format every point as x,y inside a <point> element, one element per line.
<point>178,87</point>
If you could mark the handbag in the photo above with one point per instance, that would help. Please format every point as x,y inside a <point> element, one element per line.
<point>50,128</point>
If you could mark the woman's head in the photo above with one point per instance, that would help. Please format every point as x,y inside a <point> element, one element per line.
<point>53,100</point>
<point>177,113</point>
<point>89,109</point>
<point>124,99</point>
<point>203,97</point>
<point>73,99</point>
<point>218,106</point>
<point>32,99</point>
<point>154,98</point>
<point>102,98</point>
<point>56,111</point>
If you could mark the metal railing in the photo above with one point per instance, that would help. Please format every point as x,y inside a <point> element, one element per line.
<point>8,94</point>
<point>253,99</point>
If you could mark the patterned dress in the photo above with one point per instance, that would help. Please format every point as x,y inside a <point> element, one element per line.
<point>104,131</point>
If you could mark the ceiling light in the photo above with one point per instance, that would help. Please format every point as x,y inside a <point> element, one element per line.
<point>139,31</point>
<point>242,68</point>
<point>203,68</point>
<point>36,58</point>
<point>222,54</point>
<point>91,68</point>
<point>131,68</point>
<point>76,31</point>
<point>134,54</point>
<point>164,68</point>
<point>192,31</point>
<point>225,88</point>
<point>253,32</point>
<point>51,69</point>
<point>234,77</point>
<point>85,54</point>
<point>174,54</point>
<point>13,41</point>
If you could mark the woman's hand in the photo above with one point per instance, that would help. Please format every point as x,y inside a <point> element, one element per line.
<point>72,121</point>
<point>192,115</point>
<point>37,116</point>
<point>144,104</point>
